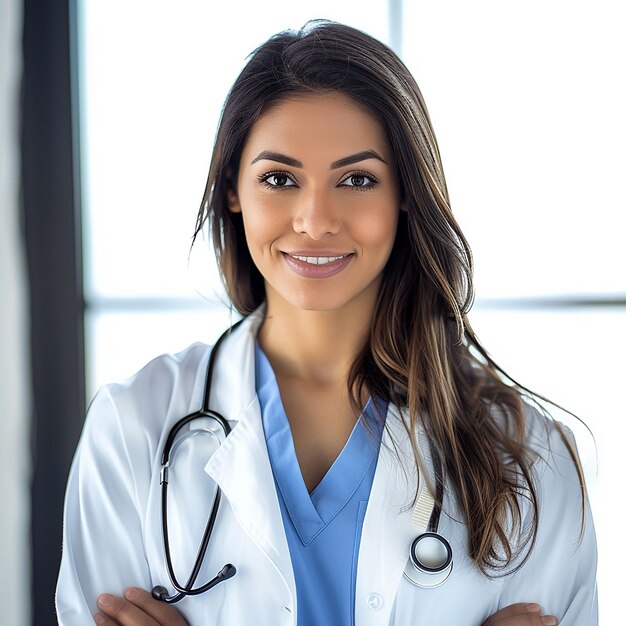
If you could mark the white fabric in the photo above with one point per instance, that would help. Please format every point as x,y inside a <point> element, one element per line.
<point>112,532</point>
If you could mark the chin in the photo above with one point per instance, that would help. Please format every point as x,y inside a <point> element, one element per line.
<point>315,304</point>
<point>308,299</point>
<point>324,297</point>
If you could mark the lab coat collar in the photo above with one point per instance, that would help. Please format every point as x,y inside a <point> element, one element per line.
<point>241,465</point>
<point>242,469</point>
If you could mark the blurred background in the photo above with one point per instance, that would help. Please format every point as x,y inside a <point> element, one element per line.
<point>108,111</point>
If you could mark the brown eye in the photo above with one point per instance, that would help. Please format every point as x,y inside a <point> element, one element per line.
<point>280,180</point>
<point>275,180</point>
<point>359,183</point>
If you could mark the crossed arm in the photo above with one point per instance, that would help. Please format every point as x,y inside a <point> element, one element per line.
<point>138,608</point>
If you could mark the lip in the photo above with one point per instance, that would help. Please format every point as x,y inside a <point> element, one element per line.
<point>308,270</point>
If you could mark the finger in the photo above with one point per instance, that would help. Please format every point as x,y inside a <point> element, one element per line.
<point>525,619</point>
<point>104,620</point>
<point>522,608</point>
<point>165,614</point>
<point>520,613</point>
<point>123,612</point>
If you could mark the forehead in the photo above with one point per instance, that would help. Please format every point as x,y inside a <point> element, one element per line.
<point>331,123</point>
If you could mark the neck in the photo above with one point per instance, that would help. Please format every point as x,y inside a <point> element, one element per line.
<point>316,347</point>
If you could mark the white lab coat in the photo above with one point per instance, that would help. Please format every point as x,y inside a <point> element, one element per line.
<point>112,525</point>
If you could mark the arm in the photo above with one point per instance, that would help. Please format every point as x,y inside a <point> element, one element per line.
<point>560,573</point>
<point>103,520</point>
<point>138,608</point>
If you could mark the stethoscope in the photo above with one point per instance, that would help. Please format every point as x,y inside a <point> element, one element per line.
<point>430,555</point>
<point>228,571</point>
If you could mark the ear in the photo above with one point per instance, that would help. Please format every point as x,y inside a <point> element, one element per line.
<point>233,202</point>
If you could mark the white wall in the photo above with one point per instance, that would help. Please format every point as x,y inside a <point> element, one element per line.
<point>14,391</point>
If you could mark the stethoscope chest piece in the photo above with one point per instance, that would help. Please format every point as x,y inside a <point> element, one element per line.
<point>430,560</point>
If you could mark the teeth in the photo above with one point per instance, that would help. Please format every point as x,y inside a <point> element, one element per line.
<point>318,260</point>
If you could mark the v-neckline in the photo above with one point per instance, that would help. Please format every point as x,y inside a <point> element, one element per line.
<point>311,512</point>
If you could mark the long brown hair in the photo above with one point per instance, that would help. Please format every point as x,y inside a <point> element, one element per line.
<point>422,354</point>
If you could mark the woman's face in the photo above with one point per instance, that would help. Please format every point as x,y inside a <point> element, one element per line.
<point>319,198</point>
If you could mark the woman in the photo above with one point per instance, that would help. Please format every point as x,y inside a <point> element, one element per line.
<point>355,388</point>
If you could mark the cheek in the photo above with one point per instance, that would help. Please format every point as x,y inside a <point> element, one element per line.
<point>257,214</point>
<point>261,226</point>
<point>378,229</point>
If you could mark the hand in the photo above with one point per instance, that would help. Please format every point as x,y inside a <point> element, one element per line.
<point>521,614</point>
<point>136,608</point>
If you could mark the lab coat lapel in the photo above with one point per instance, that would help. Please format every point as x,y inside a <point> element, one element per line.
<point>387,528</point>
<point>241,465</point>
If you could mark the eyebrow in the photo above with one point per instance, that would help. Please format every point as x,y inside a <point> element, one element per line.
<point>287,160</point>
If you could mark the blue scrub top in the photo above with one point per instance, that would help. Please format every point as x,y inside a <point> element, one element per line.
<point>323,528</point>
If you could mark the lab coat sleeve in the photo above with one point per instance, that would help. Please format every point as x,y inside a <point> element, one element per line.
<point>560,573</point>
<point>103,517</point>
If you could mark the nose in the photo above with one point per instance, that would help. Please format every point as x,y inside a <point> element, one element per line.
<point>315,215</point>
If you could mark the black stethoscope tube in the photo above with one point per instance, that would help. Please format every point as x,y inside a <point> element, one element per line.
<point>228,571</point>
<point>433,523</point>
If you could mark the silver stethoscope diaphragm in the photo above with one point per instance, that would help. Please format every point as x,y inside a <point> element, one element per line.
<point>430,560</point>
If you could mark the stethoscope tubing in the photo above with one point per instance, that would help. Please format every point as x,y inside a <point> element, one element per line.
<point>228,570</point>
<point>187,589</point>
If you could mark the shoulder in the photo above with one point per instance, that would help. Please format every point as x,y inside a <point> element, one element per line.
<point>136,410</point>
<point>163,375</point>
<point>547,441</point>
<point>551,444</point>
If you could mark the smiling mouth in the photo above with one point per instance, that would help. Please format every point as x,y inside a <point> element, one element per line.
<point>318,266</point>
<point>318,260</point>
